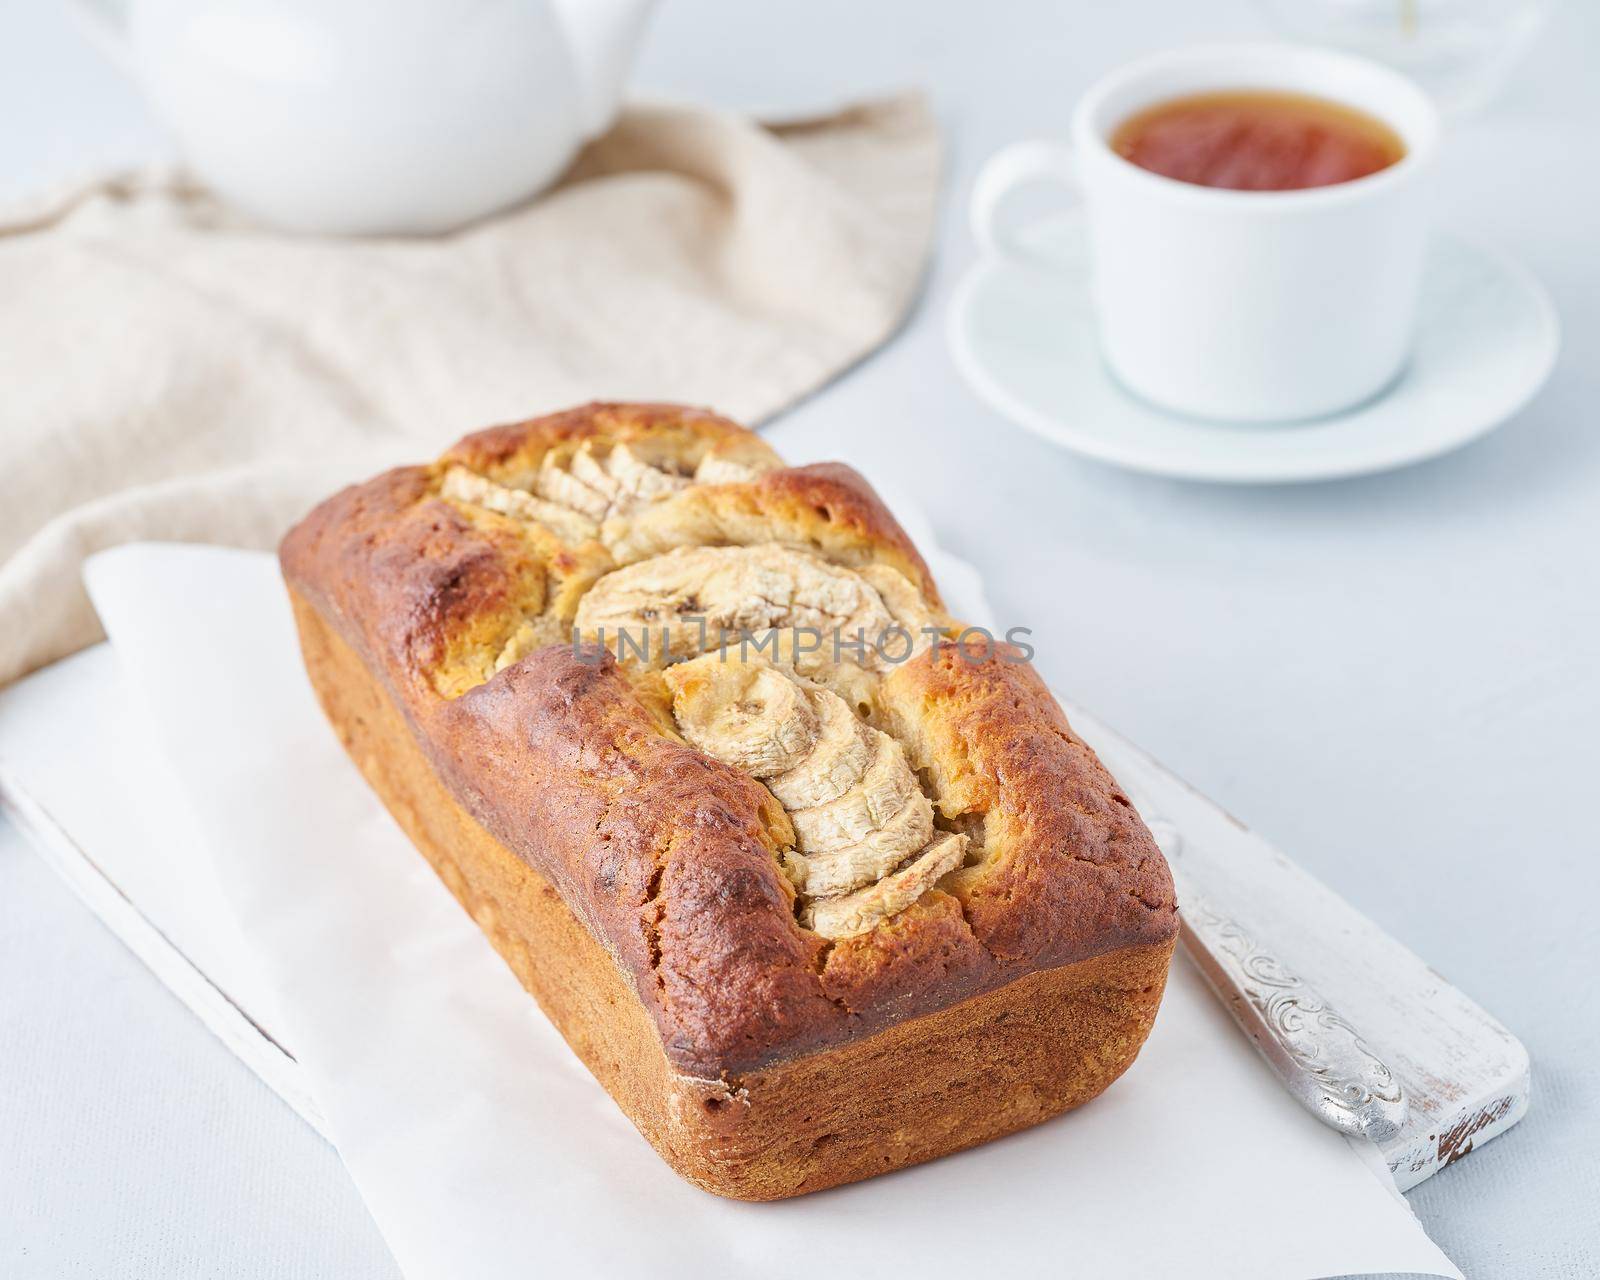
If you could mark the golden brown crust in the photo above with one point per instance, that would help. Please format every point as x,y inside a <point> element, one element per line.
<point>667,856</point>
<point>1062,843</point>
<point>922,1087</point>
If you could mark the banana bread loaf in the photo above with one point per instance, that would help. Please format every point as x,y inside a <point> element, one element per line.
<point>815,882</point>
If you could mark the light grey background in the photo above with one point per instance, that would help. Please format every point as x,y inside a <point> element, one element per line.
<point>1392,678</point>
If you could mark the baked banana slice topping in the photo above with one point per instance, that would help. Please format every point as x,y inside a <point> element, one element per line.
<point>858,815</point>
<point>623,477</point>
<point>753,717</point>
<point>556,483</point>
<point>461,485</point>
<point>573,497</point>
<point>836,762</point>
<point>716,469</point>
<point>884,789</point>
<point>850,914</point>
<point>690,599</point>
<point>877,853</point>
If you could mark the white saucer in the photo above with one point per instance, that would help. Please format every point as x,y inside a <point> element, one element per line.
<point>1024,339</point>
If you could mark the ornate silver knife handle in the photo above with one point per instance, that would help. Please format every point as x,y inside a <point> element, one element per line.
<point>1322,1060</point>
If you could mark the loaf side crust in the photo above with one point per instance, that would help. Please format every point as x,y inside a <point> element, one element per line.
<point>923,1087</point>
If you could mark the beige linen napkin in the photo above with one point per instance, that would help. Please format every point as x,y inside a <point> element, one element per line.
<point>172,372</point>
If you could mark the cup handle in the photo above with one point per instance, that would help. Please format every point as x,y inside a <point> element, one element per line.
<point>1033,161</point>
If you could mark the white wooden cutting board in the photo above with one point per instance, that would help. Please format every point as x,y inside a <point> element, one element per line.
<point>79,778</point>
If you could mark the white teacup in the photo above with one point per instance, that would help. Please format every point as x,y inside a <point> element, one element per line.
<point>1259,306</point>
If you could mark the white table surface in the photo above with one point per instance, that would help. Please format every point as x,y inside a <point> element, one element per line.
<point>1393,678</point>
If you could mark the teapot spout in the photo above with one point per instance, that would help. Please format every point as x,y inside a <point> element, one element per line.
<point>604,36</point>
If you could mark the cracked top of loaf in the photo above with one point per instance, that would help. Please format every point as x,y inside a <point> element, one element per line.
<point>783,845</point>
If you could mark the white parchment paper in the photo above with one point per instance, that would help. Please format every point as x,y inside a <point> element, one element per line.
<point>484,1149</point>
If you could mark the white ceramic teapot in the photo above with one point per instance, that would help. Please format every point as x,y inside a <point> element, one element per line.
<point>375,116</point>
